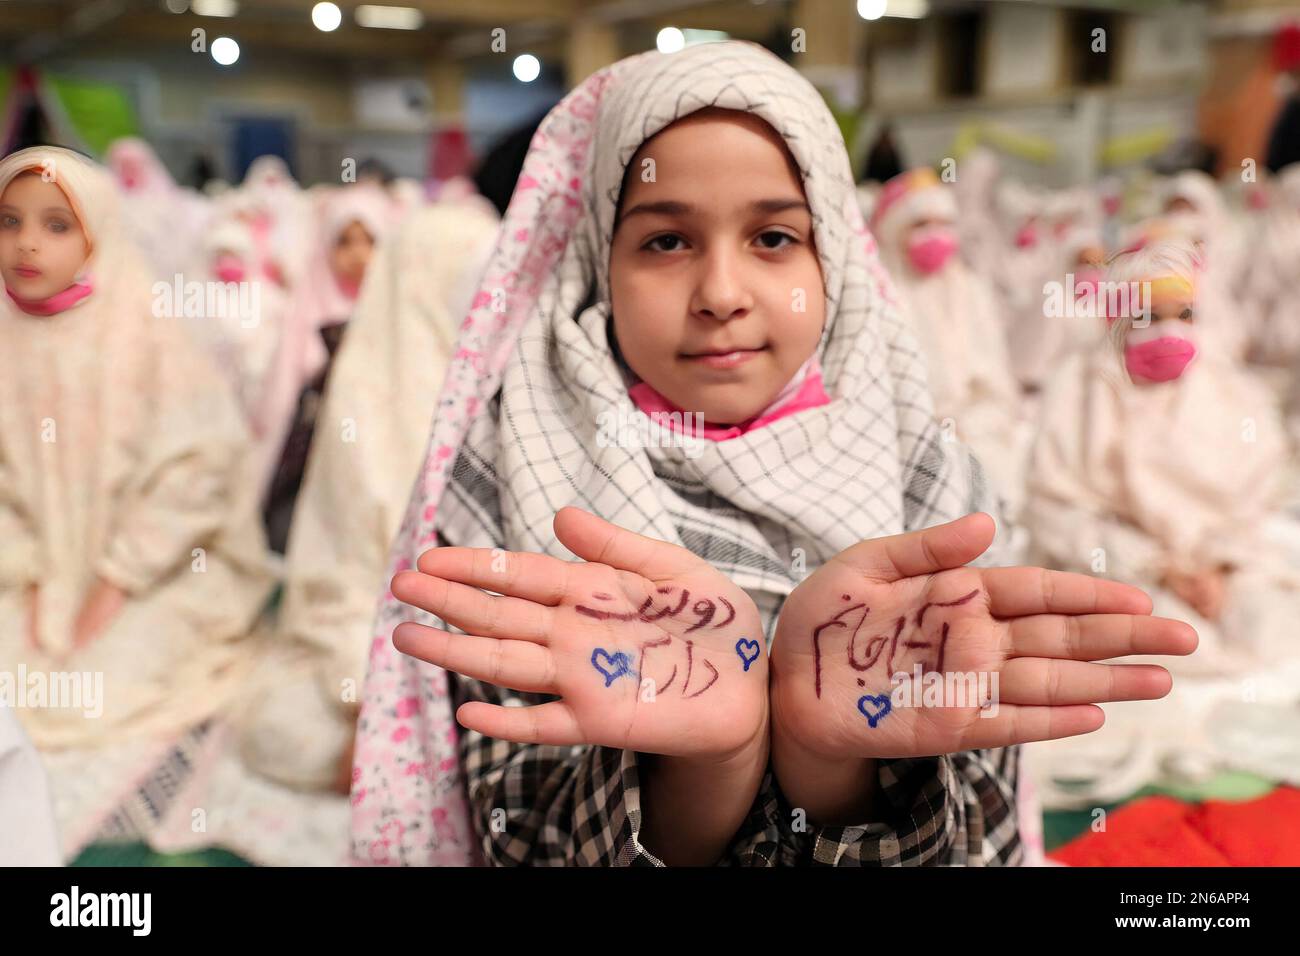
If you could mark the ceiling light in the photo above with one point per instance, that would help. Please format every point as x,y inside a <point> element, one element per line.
<point>326,17</point>
<point>389,18</point>
<point>225,50</point>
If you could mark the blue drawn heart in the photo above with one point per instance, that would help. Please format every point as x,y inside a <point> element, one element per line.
<point>619,664</point>
<point>748,651</point>
<point>882,702</point>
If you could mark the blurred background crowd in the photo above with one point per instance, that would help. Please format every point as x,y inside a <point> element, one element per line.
<point>337,175</point>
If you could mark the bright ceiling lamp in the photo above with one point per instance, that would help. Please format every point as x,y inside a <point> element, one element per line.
<point>527,68</point>
<point>225,50</point>
<point>670,40</point>
<point>326,17</point>
<point>380,17</point>
<point>214,8</point>
<point>909,9</point>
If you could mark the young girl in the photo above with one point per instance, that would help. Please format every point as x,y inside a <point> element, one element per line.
<point>954,312</point>
<point>1039,343</point>
<point>1160,462</point>
<point>352,219</point>
<point>164,220</point>
<point>1194,210</point>
<point>377,409</point>
<point>131,546</point>
<point>241,338</point>
<point>279,212</point>
<point>685,234</point>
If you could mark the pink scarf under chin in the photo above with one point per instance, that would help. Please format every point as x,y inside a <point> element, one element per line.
<point>57,302</point>
<point>809,394</point>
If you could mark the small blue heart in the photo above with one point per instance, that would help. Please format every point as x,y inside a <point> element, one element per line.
<point>881,702</point>
<point>619,664</point>
<point>748,651</point>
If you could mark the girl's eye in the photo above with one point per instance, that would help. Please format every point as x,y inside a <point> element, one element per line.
<point>8,222</point>
<point>666,236</point>
<point>1186,315</point>
<point>773,234</point>
<point>57,225</point>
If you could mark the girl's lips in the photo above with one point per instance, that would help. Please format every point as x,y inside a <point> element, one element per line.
<point>725,359</point>
<point>27,272</point>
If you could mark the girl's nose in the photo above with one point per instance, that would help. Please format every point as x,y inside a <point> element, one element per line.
<point>721,292</point>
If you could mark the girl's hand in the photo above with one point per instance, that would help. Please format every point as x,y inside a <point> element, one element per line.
<point>1020,639</point>
<point>648,646</point>
<point>102,605</point>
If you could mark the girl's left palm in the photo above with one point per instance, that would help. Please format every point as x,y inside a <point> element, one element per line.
<point>894,648</point>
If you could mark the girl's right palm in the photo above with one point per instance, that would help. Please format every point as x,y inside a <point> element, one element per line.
<point>648,646</point>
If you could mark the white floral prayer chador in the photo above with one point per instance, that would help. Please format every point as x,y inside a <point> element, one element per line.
<point>122,458</point>
<point>1128,481</point>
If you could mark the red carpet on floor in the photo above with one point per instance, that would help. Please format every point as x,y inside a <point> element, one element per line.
<point>1162,831</point>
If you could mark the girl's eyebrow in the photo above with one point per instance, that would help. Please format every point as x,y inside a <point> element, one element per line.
<point>671,207</point>
<point>48,209</point>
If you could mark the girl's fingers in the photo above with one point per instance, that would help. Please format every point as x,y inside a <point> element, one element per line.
<point>1036,681</point>
<point>594,539</point>
<point>1018,724</point>
<point>517,665</point>
<point>550,723</point>
<point>1016,592</point>
<point>531,577</point>
<point>1097,637</point>
<point>927,551</point>
<point>472,610</point>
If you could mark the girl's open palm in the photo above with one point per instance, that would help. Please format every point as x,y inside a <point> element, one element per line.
<point>648,646</point>
<point>1003,655</point>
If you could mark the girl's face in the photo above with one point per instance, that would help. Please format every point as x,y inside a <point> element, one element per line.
<point>714,280</point>
<point>351,254</point>
<point>42,244</point>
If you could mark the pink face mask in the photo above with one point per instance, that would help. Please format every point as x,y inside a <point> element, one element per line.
<point>230,268</point>
<point>929,253</point>
<point>349,287</point>
<point>1027,237</point>
<point>1160,360</point>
